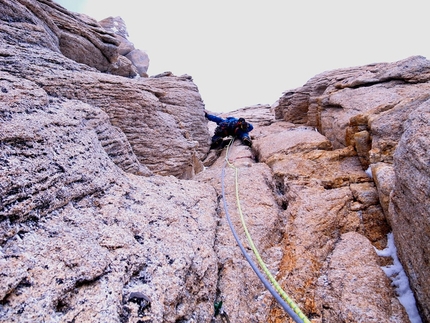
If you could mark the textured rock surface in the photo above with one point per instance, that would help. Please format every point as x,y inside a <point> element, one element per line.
<point>83,261</point>
<point>410,202</point>
<point>342,292</point>
<point>162,115</point>
<point>79,235</point>
<point>77,36</point>
<point>94,227</point>
<point>138,58</point>
<point>382,111</point>
<point>319,203</point>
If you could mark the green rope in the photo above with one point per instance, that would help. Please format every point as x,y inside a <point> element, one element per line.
<point>263,266</point>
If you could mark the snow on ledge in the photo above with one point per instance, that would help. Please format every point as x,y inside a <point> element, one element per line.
<point>399,279</point>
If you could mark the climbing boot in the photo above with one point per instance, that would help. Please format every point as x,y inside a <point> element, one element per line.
<point>216,143</point>
<point>247,141</point>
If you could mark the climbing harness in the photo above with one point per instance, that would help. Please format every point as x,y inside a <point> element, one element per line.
<point>274,288</point>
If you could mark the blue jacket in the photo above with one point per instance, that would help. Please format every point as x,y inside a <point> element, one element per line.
<point>229,126</point>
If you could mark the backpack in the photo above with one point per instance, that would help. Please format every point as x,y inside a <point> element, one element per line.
<point>226,128</point>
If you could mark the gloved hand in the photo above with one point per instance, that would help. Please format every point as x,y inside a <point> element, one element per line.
<point>206,114</point>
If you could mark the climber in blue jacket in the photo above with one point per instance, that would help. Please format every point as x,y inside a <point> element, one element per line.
<point>230,126</point>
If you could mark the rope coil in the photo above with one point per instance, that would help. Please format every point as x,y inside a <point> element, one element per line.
<point>274,288</point>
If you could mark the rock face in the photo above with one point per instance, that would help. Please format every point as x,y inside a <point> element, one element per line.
<point>111,206</point>
<point>315,225</point>
<point>162,114</point>
<point>410,204</point>
<point>382,111</point>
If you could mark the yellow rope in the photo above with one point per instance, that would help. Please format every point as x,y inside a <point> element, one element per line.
<point>263,266</point>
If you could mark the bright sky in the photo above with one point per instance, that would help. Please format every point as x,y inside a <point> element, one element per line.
<point>247,52</point>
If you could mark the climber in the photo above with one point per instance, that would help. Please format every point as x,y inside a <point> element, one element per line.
<point>230,127</point>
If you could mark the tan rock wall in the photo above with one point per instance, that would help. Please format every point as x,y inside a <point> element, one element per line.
<point>79,236</point>
<point>326,205</point>
<point>374,109</point>
<point>91,232</point>
<point>162,118</point>
<point>410,203</point>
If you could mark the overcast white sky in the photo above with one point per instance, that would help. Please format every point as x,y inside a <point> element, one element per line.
<point>247,52</point>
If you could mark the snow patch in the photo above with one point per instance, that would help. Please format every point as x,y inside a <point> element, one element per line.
<point>368,171</point>
<point>399,279</point>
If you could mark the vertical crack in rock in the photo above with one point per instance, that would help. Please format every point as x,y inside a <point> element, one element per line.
<point>220,265</point>
<point>278,185</point>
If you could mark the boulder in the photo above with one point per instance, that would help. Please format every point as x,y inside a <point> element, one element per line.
<point>349,270</point>
<point>117,26</point>
<point>291,141</point>
<point>123,67</point>
<point>138,58</point>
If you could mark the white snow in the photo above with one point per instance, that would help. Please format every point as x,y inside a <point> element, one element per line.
<point>368,171</point>
<point>399,279</point>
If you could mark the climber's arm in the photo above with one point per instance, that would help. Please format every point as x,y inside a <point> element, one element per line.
<point>213,118</point>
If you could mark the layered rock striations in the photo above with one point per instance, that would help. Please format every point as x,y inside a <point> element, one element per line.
<point>162,114</point>
<point>111,206</point>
